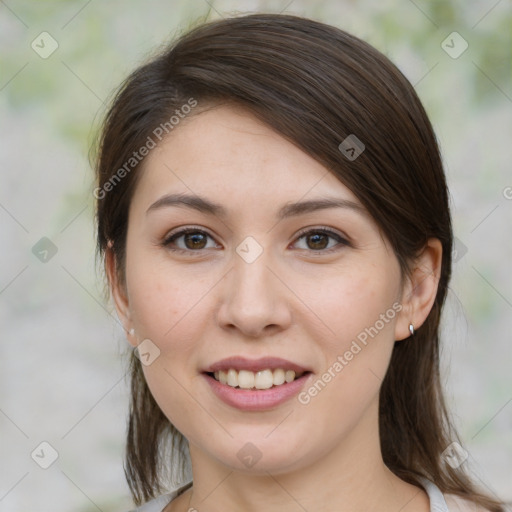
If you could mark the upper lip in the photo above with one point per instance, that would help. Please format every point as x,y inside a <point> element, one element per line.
<point>254,365</point>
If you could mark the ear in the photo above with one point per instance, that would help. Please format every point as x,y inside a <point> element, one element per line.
<point>420,289</point>
<point>119,294</point>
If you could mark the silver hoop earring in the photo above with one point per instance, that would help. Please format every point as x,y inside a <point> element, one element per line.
<point>411,329</point>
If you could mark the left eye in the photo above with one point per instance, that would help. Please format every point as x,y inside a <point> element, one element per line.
<point>318,239</point>
<point>194,240</point>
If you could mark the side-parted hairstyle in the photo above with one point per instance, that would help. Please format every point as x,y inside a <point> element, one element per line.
<point>315,85</point>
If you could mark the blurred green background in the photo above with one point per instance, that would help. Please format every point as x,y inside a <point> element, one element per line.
<point>62,352</point>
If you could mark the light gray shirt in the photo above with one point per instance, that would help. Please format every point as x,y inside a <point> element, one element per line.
<point>438,503</point>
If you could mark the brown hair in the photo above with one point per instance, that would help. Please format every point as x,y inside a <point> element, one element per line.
<point>315,85</point>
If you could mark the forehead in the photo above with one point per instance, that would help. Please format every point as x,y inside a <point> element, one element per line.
<point>227,152</point>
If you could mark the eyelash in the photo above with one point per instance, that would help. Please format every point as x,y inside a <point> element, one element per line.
<point>323,229</point>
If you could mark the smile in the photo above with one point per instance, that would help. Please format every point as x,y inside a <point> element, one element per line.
<point>264,379</point>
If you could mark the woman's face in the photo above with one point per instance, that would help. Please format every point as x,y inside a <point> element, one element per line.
<point>257,280</point>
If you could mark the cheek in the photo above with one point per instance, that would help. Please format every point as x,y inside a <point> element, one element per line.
<point>165,303</point>
<point>168,310</point>
<point>355,305</point>
<point>358,313</point>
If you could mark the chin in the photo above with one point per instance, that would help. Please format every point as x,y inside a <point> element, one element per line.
<point>259,456</point>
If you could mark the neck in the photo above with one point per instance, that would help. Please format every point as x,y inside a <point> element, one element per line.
<point>351,477</point>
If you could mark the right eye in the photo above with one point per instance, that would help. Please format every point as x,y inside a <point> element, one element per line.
<point>193,240</point>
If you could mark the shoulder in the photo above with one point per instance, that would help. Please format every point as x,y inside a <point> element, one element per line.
<point>159,503</point>
<point>456,503</point>
<point>156,504</point>
<point>448,502</point>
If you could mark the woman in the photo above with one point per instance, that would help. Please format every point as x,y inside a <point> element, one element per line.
<point>274,218</point>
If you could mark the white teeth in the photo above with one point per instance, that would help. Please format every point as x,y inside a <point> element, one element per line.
<point>263,379</point>
<point>232,378</point>
<point>279,377</point>
<point>245,379</point>
<point>289,375</point>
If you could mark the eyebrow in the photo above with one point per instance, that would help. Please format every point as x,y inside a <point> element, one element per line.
<point>204,205</point>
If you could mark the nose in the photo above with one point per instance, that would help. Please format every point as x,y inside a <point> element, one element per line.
<point>254,299</point>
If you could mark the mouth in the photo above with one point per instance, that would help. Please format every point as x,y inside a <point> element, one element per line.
<point>255,374</point>
<point>256,385</point>
<point>249,380</point>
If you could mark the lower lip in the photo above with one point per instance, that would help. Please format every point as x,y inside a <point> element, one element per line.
<point>257,399</point>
